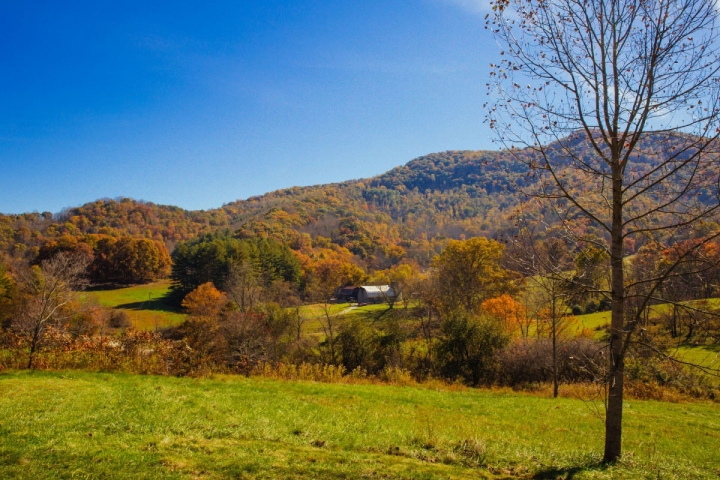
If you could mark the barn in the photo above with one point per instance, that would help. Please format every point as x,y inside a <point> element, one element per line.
<point>374,293</point>
<point>347,294</point>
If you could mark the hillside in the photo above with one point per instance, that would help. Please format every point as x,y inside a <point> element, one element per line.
<point>74,424</point>
<point>439,195</point>
<point>407,212</point>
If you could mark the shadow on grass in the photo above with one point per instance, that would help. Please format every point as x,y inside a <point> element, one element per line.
<point>568,473</point>
<point>106,286</point>
<point>162,304</point>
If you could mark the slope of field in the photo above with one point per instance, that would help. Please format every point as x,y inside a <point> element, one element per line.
<point>82,425</point>
<point>146,305</point>
<point>342,313</point>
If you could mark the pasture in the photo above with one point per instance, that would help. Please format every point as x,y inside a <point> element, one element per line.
<point>89,425</point>
<point>146,305</point>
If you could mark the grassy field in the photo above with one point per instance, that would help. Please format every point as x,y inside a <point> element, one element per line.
<point>148,308</point>
<point>145,304</point>
<point>707,356</point>
<point>315,315</point>
<point>82,425</point>
<point>593,321</point>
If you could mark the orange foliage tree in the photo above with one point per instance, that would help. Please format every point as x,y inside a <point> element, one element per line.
<point>511,312</point>
<point>205,301</point>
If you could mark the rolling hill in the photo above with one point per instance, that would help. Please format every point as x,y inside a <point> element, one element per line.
<point>441,195</point>
<point>408,212</point>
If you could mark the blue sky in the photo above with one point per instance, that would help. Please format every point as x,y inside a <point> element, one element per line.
<point>197,104</point>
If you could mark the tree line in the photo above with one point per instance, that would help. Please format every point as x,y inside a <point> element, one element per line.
<point>473,317</point>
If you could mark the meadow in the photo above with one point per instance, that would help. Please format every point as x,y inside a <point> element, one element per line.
<point>91,425</point>
<point>146,305</point>
<point>149,309</point>
<point>315,316</point>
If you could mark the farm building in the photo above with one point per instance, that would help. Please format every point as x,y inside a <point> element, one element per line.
<point>374,293</point>
<point>347,294</point>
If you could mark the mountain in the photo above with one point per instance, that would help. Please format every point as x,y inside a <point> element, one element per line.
<point>408,212</point>
<point>415,207</point>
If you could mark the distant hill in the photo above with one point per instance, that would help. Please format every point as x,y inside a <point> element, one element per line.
<point>408,212</point>
<point>431,198</point>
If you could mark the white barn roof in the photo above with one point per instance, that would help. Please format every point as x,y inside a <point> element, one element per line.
<point>377,290</point>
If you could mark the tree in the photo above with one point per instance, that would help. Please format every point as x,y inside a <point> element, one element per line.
<point>358,342</point>
<point>47,291</point>
<point>557,294</point>
<point>217,257</point>
<point>552,284</point>
<point>615,105</point>
<point>509,311</point>
<point>467,345</point>
<point>468,272</point>
<point>590,270</point>
<point>243,284</point>
<point>325,279</point>
<point>140,260</point>
<point>287,296</point>
<point>5,281</point>
<point>65,243</point>
<point>205,301</point>
<point>6,294</point>
<point>402,277</point>
<point>128,260</point>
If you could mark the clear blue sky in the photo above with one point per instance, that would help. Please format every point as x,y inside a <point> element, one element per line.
<point>201,103</point>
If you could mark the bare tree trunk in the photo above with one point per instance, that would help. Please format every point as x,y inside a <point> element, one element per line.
<point>329,330</point>
<point>554,347</point>
<point>32,353</point>
<point>613,419</point>
<point>298,322</point>
<point>33,345</point>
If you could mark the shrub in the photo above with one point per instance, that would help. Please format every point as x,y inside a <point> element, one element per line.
<point>467,346</point>
<point>358,344</point>
<point>119,319</point>
<point>591,307</point>
<point>604,305</point>
<point>526,362</point>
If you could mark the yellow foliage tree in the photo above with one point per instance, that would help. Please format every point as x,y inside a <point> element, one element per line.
<point>468,272</point>
<point>205,301</point>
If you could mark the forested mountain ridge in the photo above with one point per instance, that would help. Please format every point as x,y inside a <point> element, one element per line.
<point>437,196</point>
<point>408,212</point>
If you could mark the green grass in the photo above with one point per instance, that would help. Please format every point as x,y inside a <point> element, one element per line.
<point>148,308</point>
<point>707,356</point>
<point>600,319</point>
<point>83,425</point>
<point>318,310</point>
<point>145,304</point>
<point>594,321</point>
<point>342,312</point>
<point>372,310</point>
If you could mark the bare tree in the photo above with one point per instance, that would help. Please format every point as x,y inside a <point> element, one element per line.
<point>243,285</point>
<point>287,296</point>
<point>612,106</point>
<point>47,291</point>
<point>296,305</point>
<point>246,340</point>
<point>551,284</point>
<point>323,283</point>
<point>330,324</point>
